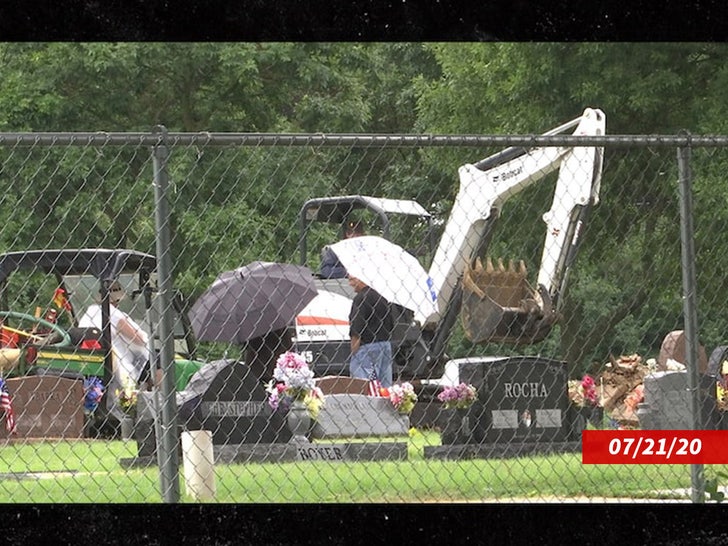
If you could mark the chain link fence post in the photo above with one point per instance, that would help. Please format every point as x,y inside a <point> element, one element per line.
<point>167,444</point>
<point>697,474</point>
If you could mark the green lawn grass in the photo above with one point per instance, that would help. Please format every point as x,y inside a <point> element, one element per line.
<point>89,471</point>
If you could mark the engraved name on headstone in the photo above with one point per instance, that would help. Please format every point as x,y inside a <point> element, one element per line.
<point>228,401</point>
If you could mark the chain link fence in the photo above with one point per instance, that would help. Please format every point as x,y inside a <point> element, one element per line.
<point>145,223</point>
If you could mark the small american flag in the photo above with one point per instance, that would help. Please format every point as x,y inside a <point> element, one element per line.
<point>6,406</point>
<point>375,386</point>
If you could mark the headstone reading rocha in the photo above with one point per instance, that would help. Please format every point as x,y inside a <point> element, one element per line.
<point>46,407</point>
<point>520,399</point>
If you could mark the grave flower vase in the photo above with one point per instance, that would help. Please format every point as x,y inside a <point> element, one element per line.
<point>127,427</point>
<point>582,417</point>
<point>596,417</point>
<point>464,431</point>
<point>578,422</point>
<point>458,428</point>
<point>299,422</point>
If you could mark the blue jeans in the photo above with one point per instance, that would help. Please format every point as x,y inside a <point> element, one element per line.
<point>373,360</point>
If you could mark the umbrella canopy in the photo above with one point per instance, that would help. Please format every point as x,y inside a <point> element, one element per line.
<point>390,270</point>
<point>325,318</point>
<point>251,301</point>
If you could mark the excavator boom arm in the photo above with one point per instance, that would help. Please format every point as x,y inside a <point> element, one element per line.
<point>488,184</point>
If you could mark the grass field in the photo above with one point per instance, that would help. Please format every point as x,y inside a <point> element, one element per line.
<point>88,471</point>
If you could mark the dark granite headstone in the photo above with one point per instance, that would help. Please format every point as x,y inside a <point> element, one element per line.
<point>520,399</point>
<point>228,401</point>
<point>235,409</point>
<point>46,407</point>
<point>715,362</point>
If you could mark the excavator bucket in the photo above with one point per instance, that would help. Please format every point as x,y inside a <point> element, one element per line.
<point>499,305</point>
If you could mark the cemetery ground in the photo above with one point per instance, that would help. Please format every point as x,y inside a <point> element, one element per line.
<point>84,471</point>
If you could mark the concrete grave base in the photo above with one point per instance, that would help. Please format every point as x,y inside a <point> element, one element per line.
<point>283,453</point>
<point>499,451</point>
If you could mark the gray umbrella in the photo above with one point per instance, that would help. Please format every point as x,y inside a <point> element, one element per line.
<point>251,301</point>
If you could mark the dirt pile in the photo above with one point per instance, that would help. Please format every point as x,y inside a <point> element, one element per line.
<point>620,387</point>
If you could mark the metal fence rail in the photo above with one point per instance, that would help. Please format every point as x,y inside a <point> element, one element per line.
<point>194,205</point>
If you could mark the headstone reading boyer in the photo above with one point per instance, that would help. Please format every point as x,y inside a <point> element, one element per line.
<point>46,407</point>
<point>222,398</point>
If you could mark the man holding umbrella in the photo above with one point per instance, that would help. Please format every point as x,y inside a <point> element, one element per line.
<point>370,330</point>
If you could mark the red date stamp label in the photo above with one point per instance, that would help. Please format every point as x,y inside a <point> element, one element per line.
<point>654,447</point>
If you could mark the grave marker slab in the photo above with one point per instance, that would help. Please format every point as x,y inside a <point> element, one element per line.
<point>369,451</point>
<point>357,416</point>
<point>673,347</point>
<point>46,407</point>
<point>520,399</point>
<point>281,453</point>
<point>667,402</point>
<point>668,398</point>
